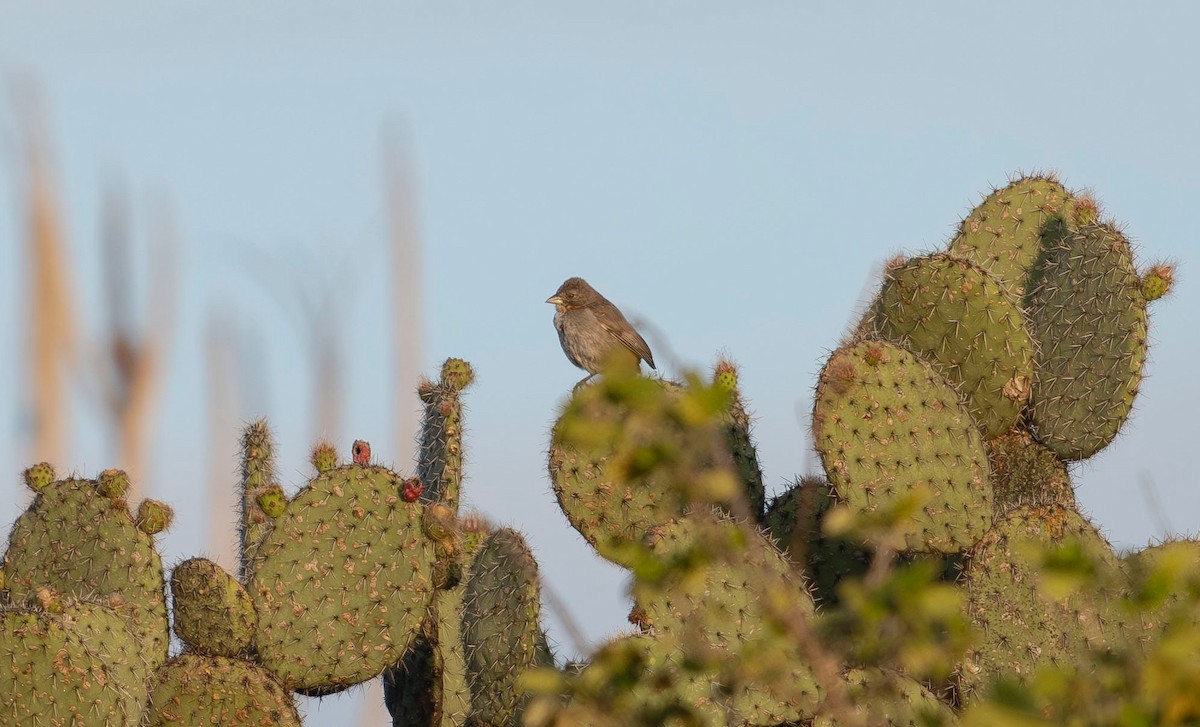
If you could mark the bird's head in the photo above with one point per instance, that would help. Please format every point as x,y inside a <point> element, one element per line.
<point>573,293</point>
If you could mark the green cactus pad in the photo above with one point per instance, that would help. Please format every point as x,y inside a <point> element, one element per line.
<point>1160,579</point>
<point>1003,235</point>
<point>885,424</point>
<point>440,458</point>
<point>1022,626</point>
<point>794,522</point>
<point>1088,318</point>
<point>722,608</point>
<point>258,475</point>
<point>501,606</point>
<point>957,316</point>
<point>213,612</point>
<point>736,423</point>
<point>82,544</point>
<point>890,699</point>
<point>1024,473</point>
<point>78,667</point>
<point>606,505</point>
<point>192,689</point>
<point>343,580</point>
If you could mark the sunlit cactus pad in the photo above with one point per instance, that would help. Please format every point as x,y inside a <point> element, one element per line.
<point>1088,318</point>
<point>888,426</point>
<point>1003,234</point>
<point>194,690</point>
<point>957,316</point>
<point>78,666</point>
<point>890,699</point>
<point>1022,624</point>
<point>723,606</point>
<point>83,543</point>
<point>343,581</point>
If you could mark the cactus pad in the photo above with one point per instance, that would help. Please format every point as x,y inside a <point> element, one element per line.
<point>736,423</point>
<point>440,459</point>
<point>213,612</point>
<point>83,544</point>
<point>1088,318</point>
<point>212,690</point>
<point>885,424</point>
<point>1021,626</point>
<point>343,581</point>
<point>722,608</point>
<point>501,604</point>
<point>890,699</point>
<point>1003,235</point>
<point>1024,472</point>
<point>957,316</point>
<point>79,667</point>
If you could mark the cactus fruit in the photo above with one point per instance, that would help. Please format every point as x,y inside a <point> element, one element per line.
<point>1088,318</point>
<point>78,666</point>
<point>113,484</point>
<point>960,318</point>
<point>258,474</point>
<point>736,423</point>
<point>213,612</point>
<point>1157,281</point>
<point>888,426</point>
<point>343,580</point>
<point>153,516</point>
<point>80,543</point>
<point>360,452</point>
<point>1003,235</point>
<point>440,458</point>
<point>324,457</point>
<point>1022,625</point>
<point>890,699</point>
<point>501,604</point>
<point>1024,473</point>
<point>794,522</point>
<point>271,501</point>
<point>725,608</point>
<point>192,689</point>
<point>39,476</point>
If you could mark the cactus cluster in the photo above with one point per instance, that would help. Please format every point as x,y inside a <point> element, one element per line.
<point>939,553</point>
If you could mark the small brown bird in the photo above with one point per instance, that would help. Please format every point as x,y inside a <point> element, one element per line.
<point>590,328</point>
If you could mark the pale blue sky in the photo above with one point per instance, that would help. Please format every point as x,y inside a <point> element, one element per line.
<point>730,176</point>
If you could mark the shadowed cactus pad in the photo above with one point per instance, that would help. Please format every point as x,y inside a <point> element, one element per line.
<point>342,581</point>
<point>1024,473</point>
<point>1088,318</point>
<point>737,424</point>
<point>1021,625</point>
<point>501,604</point>
<point>887,426</point>
<point>722,609</point>
<point>1003,235</point>
<point>794,522</point>
<point>83,544</point>
<point>962,319</point>
<point>211,690</point>
<point>213,612</point>
<point>79,667</point>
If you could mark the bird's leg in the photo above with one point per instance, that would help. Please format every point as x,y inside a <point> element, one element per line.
<point>582,381</point>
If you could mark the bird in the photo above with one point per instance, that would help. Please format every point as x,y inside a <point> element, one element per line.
<point>590,328</point>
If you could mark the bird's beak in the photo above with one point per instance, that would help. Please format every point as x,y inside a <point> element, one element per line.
<point>555,300</point>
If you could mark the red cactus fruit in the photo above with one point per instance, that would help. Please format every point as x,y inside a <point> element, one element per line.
<point>362,452</point>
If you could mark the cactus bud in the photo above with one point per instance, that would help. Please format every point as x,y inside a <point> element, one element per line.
<point>324,457</point>
<point>113,484</point>
<point>153,517</point>
<point>272,501</point>
<point>39,476</point>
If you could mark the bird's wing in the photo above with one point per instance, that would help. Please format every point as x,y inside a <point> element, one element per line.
<point>611,320</point>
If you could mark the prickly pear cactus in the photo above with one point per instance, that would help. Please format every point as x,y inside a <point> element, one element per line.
<point>501,604</point>
<point>342,581</point>
<point>1021,623</point>
<point>1024,473</point>
<point>79,538</point>
<point>723,608</point>
<point>794,522</point>
<point>736,423</point>
<point>1003,235</point>
<point>888,426</point>
<point>440,461</point>
<point>891,699</point>
<point>960,318</point>
<point>213,612</point>
<point>257,483</point>
<point>1088,317</point>
<point>192,689</point>
<point>70,663</point>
